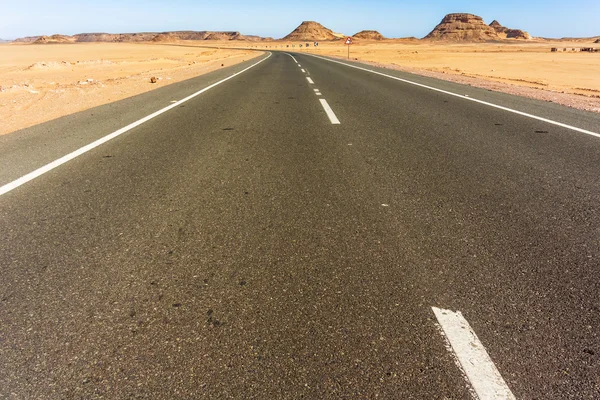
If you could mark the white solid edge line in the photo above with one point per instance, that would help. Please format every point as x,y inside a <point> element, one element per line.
<point>573,128</point>
<point>472,356</point>
<point>48,167</point>
<point>310,80</point>
<point>293,58</point>
<point>332,117</point>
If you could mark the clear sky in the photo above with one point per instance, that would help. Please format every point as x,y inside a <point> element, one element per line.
<point>578,18</point>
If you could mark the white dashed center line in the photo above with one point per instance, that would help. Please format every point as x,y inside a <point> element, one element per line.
<point>303,70</point>
<point>334,120</point>
<point>472,356</point>
<point>310,80</point>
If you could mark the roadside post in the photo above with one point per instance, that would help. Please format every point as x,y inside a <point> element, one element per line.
<point>348,43</point>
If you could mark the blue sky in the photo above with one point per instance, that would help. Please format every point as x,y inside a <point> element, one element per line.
<point>276,18</point>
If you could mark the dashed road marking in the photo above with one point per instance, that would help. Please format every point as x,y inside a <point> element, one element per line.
<point>472,356</point>
<point>332,117</point>
<point>466,97</point>
<point>303,70</point>
<point>310,80</point>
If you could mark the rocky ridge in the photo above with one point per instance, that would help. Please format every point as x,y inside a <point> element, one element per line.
<point>369,35</point>
<point>138,37</point>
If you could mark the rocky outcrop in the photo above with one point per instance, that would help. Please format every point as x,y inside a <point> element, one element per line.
<point>311,31</point>
<point>54,39</point>
<point>597,40</point>
<point>506,33</point>
<point>114,37</point>
<point>27,39</point>
<point>193,35</point>
<point>369,35</point>
<point>138,37</point>
<point>463,27</point>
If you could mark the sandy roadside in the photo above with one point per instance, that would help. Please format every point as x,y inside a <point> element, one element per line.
<point>39,83</point>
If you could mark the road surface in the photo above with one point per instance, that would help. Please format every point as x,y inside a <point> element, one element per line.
<point>303,228</point>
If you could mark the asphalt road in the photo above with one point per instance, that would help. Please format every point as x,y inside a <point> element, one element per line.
<point>240,245</point>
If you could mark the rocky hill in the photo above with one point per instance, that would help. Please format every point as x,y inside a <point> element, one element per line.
<point>54,39</point>
<point>369,35</point>
<point>506,33</point>
<point>597,40</point>
<point>114,37</point>
<point>463,27</point>
<point>311,31</point>
<point>27,39</point>
<point>138,37</point>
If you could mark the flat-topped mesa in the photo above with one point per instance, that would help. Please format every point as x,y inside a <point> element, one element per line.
<point>463,27</point>
<point>193,35</point>
<point>506,33</point>
<point>311,31</point>
<point>369,35</point>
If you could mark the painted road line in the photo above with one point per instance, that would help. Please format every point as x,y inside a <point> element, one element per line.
<point>334,120</point>
<point>472,356</point>
<point>303,70</point>
<point>48,167</point>
<point>318,93</point>
<point>549,121</point>
<point>316,90</point>
<point>296,61</point>
<point>310,80</point>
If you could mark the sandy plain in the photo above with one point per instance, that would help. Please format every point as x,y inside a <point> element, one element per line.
<point>42,82</point>
<point>39,83</point>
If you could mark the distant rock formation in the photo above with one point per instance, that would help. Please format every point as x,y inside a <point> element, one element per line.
<point>311,31</point>
<point>54,39</point>
<point>114,37</point>
<point>201,35</point>
<point>506,33</point>
<point>597,40</point>
<point>463,27</point>
<point>369,35</point>
<point>27,39</point>
<point>138,37</point>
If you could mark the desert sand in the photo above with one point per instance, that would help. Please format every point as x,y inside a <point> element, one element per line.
<point>39,83</point>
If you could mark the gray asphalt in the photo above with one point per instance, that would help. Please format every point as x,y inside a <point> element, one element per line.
<point>242,246</point>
